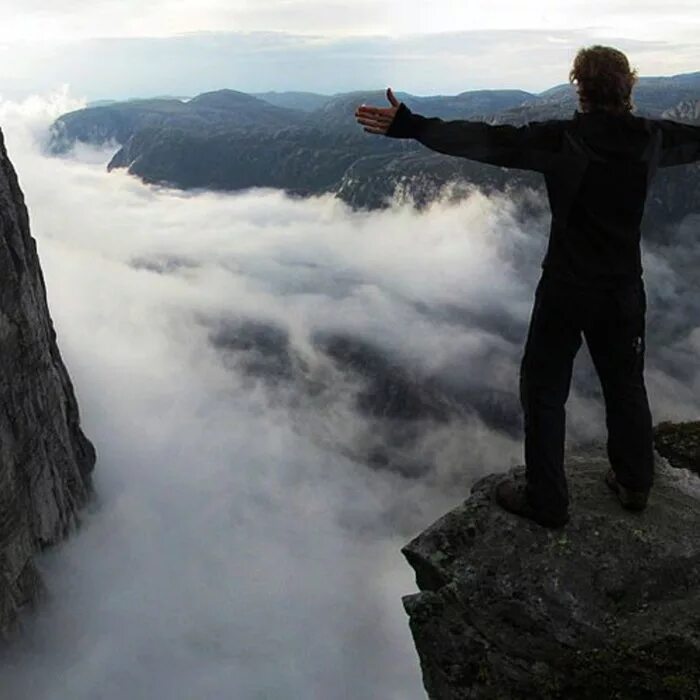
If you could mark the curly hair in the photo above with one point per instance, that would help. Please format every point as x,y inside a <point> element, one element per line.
<point>604,79</point>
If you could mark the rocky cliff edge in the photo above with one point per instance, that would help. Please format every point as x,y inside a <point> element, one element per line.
<point>607,607</point>
<point>45,459</point>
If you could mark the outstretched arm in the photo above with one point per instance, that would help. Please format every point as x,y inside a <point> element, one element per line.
<point>680,143</point>
<point>532,146</point>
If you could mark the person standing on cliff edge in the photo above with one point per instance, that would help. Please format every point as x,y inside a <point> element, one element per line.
<point>598,166</point>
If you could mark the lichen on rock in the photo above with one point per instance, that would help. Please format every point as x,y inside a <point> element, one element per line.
<point>679,443</point>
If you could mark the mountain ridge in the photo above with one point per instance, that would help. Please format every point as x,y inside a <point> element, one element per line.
<point>227,140</point>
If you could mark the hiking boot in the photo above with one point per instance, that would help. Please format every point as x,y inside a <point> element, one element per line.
<point>631,500</point>
<point>513,498</point>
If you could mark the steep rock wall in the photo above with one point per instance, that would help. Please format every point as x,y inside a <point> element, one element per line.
<point>45,459</point>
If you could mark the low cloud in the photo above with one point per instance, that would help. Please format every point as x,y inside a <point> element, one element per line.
<point>244,543</point>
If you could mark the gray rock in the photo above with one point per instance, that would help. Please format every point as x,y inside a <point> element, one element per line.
<point>606,607</point>
<point>45,459</point>
<point>679,443</point>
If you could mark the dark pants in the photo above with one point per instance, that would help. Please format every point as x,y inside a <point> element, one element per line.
<point>613,323</point>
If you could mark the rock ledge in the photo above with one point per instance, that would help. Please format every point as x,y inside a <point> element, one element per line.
<point>606,607</point>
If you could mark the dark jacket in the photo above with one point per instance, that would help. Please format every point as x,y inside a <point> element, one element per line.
<point>597,167</point>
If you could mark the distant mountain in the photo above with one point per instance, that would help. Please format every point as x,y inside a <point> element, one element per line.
<point>651,97</point>
<point>685,111</point>
<point>231,109</point>
<point>100,103</point>
<point>103,103</point>
<point>301,160</point>
<point>205,113</point>
<point>472,103</point>
<point>229,140</point>
<point>339,111</point>
<point>305,101</point>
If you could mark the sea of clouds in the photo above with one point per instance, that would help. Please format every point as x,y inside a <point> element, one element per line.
<point>239,546</point>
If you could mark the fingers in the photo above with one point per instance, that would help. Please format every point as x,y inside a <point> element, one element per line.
<point>375,126</point>
<point>390,96</point>
<point>373,111</point>
<point>375,121</point>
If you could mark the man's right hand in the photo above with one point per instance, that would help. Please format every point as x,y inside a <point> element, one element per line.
<point>377,120</point>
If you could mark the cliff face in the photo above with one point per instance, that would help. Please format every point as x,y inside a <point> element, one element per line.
<point>607,607</point>
<point>45,459</point>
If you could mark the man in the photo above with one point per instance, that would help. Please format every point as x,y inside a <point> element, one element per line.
<point>598,166</point>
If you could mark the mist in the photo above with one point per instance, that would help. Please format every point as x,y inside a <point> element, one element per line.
<point>243,544</point>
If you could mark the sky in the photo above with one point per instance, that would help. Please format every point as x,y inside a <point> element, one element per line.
<point>124,48</point>
<point>240,545</point>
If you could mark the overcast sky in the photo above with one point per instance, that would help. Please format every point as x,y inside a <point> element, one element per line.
<point>123,48</point>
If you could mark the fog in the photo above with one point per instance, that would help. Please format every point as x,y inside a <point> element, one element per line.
<point>244,543</point>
